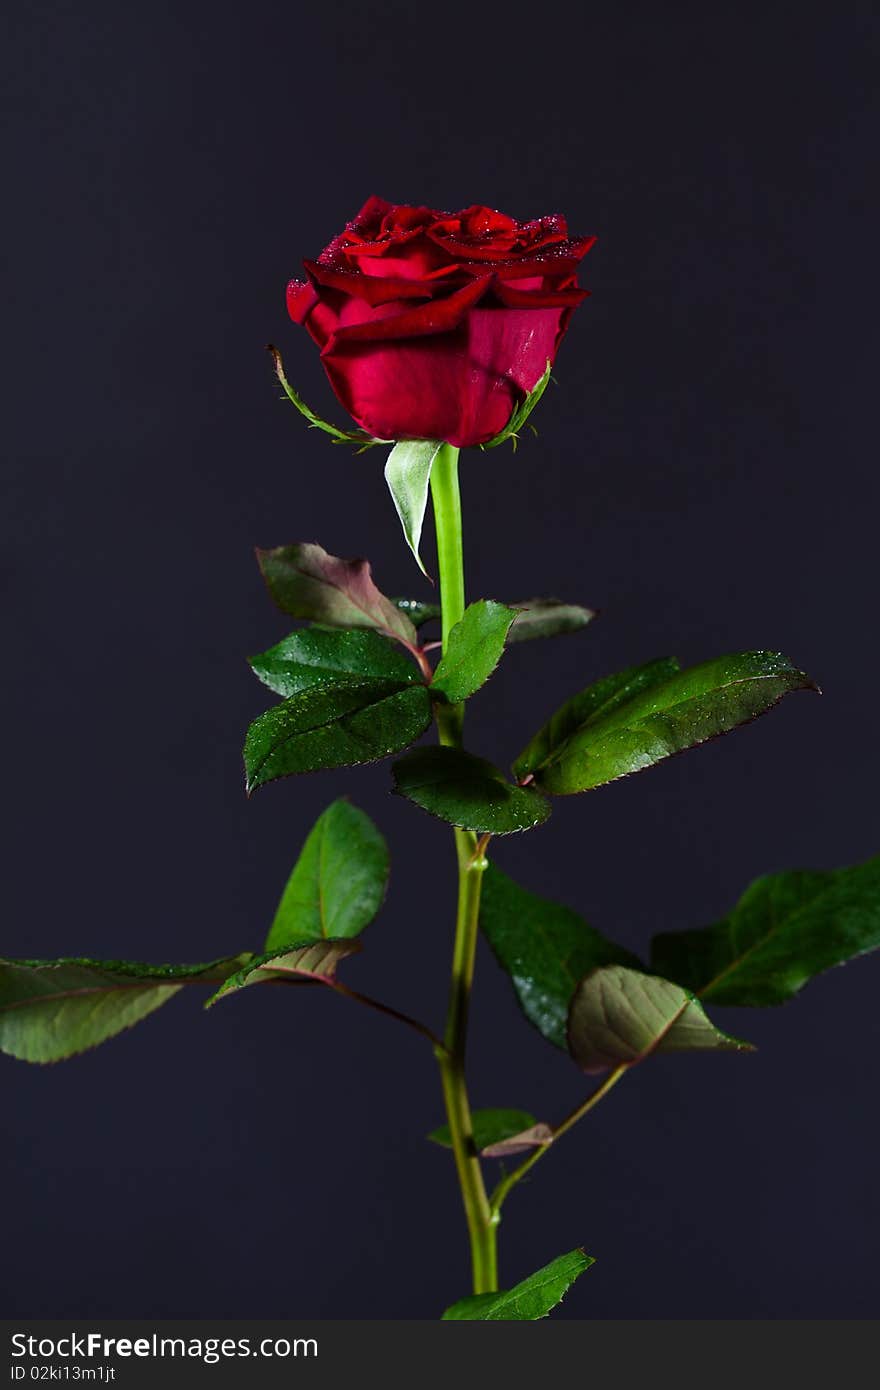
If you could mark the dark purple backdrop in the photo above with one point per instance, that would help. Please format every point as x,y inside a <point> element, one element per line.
<point>705,474</point>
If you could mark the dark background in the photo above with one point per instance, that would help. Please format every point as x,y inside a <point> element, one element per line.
<point>705,475</point>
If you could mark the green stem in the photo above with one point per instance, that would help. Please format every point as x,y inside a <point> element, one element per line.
<point>450,560</point>
<point>481,1221</point>
<point>584,1108</point>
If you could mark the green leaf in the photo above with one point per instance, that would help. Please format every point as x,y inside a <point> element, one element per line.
<point>357,721</point>
<point>408,475</point>
<point>473,650</point>
<point>490,1127</point>
<point>337,884</point>
<point>418,613</point>
<point>544,947</point>
<point>315,421</point>
<point>599,699</point>
<point>306,582</point>
<point>51,1009</point>
<point>319,656</point>
<point>618,1017</point>
<point>681,712</point>
<point>467,792</point>
<point>300,962</point>
<point>522,412</point>
<point>534,1298</point>
<point>785,929</point>
<point>547,617</point>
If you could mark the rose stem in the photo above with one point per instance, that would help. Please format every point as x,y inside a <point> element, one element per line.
<point>481,1220</point>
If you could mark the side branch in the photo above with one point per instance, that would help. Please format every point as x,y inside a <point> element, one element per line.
<point>497,1199</point>
<point>421,1028</point>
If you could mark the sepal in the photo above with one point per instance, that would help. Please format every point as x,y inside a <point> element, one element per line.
<point>358,437</point>
<point>408,475</point>
<point>521,412</point>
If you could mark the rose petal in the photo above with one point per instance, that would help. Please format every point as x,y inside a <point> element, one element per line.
<point>437,316</point>
<point>470,234</point>
<point>460,385</point>
<point>434,324</point>
<point>421,388</point>
<point>561,259</point>
<point>301,298</point>
<point>515,344</point>
<point>538,299</point>
<point>373,211</point>
<point>409,255</point>
<point>374,289</point>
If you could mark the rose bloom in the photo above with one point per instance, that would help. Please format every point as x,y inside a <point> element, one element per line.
<point>435,325</point>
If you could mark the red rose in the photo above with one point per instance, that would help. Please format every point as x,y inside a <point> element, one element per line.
<point>435,325</point>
